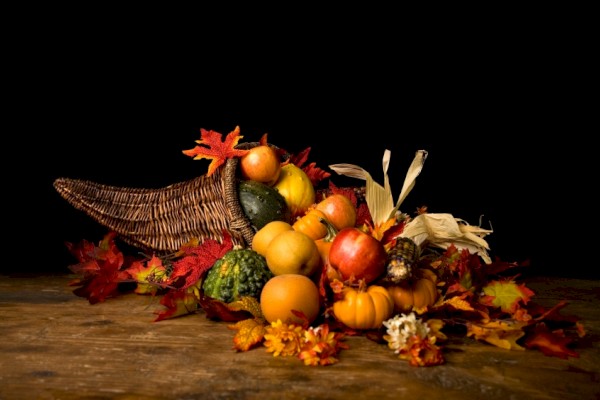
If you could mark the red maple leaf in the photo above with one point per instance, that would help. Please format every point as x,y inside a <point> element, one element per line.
<point>314,173</point>
<point>299,159</point>
<point>100,269</point>
<point>363,215</point>
<point>212,148</point>
<point>349,192</point>
<point>552,344</point>
<point>198,259</point>
<point>178,303</point>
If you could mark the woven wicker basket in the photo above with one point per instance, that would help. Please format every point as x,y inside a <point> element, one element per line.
<point>163,219</point>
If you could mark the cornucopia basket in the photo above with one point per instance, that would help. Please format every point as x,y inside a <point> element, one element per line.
<point>163,219</point>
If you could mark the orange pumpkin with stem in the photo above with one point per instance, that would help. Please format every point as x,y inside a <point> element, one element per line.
<point>415,294</point>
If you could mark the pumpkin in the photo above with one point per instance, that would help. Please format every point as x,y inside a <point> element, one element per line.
<point>324,247</point>
<point>364,309</point>
<point>296,188</point>
<point>310,224</point>
<point>415,294</point>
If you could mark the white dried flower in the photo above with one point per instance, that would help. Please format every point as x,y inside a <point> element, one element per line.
<point>402,327</point>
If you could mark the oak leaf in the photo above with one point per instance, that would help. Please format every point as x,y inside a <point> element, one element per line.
<point>212,148</point>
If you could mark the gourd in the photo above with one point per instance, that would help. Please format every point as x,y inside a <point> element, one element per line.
<point>310,224</point>
<point>416,293</point>
<point>364,308</point>
<point>240,272</point>
<point>261,203</point>
<point>297,189</point>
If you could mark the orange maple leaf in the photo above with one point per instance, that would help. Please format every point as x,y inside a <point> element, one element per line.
<point>212,148</point>
<point>250,332</point>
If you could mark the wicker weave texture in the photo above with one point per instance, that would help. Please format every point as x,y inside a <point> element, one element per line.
<point>163,219</point>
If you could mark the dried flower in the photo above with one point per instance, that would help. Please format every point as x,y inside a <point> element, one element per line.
<point>422,352</point>
<point>283,339</point>
<point>414,340</point>
<point>401,328</point>
<point>321,346</point>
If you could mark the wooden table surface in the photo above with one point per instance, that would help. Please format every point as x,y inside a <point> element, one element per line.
<point>56,345</point>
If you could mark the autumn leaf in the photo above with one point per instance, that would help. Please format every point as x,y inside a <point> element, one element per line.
<point>212,148</point>
<point>220,311</point>
<point>552,344</point>
<point>506,295</point>
<point>100,269</point>
<point>314,173</point>
<point>250,332</point>
<point>458,303</point>
<point>247,303</point>
<point>391,233</point>
<point>198,259</point>
<point>103,284</point>
<point>499,333</point>
<point>178,303</point>
<point>149,276</point>
<point>299,159</point>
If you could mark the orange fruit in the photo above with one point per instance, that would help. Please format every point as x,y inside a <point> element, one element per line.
<point>263,237</point>
<point>339,210</point>
<point>284,293</point>
<point>293,252</point>
<point>261,164</point>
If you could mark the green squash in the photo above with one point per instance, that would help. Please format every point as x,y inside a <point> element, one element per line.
<point>239,273</point>
<point>262,203</point>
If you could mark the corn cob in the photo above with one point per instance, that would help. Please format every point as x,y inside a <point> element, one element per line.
<point>401,259</point>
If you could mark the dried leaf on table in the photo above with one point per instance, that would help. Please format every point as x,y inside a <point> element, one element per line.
<point>250,332</point>
<point>501,334</point>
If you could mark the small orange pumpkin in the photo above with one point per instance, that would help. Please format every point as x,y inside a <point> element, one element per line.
<point>364,309</point>
<point>310,224</point>
<point>415,294</point>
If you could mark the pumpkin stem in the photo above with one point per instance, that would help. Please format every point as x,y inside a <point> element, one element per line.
<point>362,285</point>
<point>331,230</point>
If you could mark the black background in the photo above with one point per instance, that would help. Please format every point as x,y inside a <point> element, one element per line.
<point>504,127</point>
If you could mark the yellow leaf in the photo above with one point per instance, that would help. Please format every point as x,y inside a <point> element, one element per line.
<point>247,303</point>
<point>498,333</point>
<point>459,304</point>
<point>249,333</point>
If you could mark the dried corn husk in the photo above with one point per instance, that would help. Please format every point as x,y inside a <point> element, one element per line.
<point>438,230</point>
<point>442,230</point>
<point>379,198</point>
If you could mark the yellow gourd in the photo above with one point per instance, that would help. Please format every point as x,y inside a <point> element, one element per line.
<point>296,188</point>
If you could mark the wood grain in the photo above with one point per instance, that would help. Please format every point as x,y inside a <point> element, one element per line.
<point>56,345</point>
